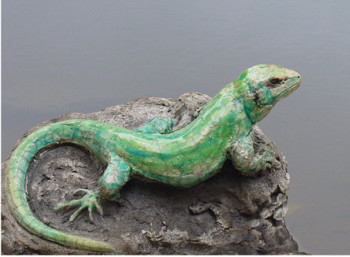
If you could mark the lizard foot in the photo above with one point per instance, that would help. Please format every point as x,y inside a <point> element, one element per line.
<point>89,201</point>
<point>269,160</point>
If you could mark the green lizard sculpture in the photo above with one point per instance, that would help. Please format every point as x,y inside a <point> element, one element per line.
<point>188,156</point>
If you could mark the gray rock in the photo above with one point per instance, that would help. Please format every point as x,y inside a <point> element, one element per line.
<point>227,214</point>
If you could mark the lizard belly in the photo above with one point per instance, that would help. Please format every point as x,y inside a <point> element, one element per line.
<point>176,176</point>
<point>183,167</point>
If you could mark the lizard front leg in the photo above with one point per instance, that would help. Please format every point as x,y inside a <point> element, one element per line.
<point>112,180</point>
<point>245,159</point>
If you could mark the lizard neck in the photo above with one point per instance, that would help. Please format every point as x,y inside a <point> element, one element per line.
<point>220,117</point>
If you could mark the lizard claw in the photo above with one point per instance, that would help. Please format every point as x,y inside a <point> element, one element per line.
<point>89,201</point>
<point>82,190</point>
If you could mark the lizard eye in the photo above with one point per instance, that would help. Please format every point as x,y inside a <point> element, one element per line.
<point>274,82</point>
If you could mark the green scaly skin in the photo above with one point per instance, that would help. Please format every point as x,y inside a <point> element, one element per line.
<point>182,158</point>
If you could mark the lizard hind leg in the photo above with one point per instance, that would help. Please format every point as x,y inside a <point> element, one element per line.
<point>156,125</point>
<point>112,180</point>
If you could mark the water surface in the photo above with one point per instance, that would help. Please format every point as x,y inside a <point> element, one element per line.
<point>82,56</point>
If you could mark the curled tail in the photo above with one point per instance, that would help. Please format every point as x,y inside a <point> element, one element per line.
<point>15,185</point>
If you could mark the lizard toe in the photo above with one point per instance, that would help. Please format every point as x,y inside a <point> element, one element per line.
<point>89,201</point>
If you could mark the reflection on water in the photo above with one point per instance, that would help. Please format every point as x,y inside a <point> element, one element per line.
<point>61,57</point>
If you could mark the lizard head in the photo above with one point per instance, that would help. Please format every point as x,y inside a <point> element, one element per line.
<point>262,86</point>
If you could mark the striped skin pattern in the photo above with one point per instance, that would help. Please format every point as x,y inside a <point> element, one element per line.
<point>182,158</point>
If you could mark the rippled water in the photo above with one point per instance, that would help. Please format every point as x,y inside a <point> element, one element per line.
<point>81,56</point>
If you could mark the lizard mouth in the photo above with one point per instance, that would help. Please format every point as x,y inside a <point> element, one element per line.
<point>290,87</point>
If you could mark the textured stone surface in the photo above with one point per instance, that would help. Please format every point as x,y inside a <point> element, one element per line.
<point>227,214</point>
